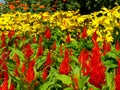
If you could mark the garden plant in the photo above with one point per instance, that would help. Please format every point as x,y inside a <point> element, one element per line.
<point>63,50</point>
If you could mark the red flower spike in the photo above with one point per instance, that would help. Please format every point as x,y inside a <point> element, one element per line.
<point>68,38</point>
<point>30,74</point>
<point>40,51</point>
<point>97,76</point>
<point>45,74</point>
<point>23,69</point>
<point>12,87</point>
<point>28,51</point>
<point>54,45</point>
<point>48,33</point>
<point>3,39</point>
<point>64,67</point>
<point>11,34</point>
<point>117,77</point>
<point>4,85</point>
<point>117,45</point>
<point>34,39</point>
<point>84,32</point>
<point>106,47</point>
<point>48,60</point>
<point>76,85</point>
<point>40,39</point>
<point>94,36</point>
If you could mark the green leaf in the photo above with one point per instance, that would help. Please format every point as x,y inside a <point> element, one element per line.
<point>46,85</point>
<point>110,64</point>
<point>82,81</point>
<point>111,54</point>
<point>20,54</point>
<point>69,88</point>
<point>64,78</point>
<point>109,80</point>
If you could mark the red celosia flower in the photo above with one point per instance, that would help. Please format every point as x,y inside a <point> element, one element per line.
<point>30,74</point>
<point>76,85</point>
<point>48,33</point>
<point>4,85</point>
<point>40,39</point>
<point>117,45</point>
<point>12,86</point>
<point>97,75</point>
<point>23,69</point>
<point>16,73</point>
<point>3,39</point>
<point>54,45</point>
<point>94,36</point>
<point>28,51</point>
<point>40,51</point>
<point>106,47</point>
<point>83,57</point>
<point>68,38</point>
<point>84,32</point>
<point>11,34</point>
<point>5,55</point>
<point>45,74</point>
<point>117,77</point>
<point>96,55</point>
<point>64,66</point>
<point>34,39</point>
<point>48,60</point>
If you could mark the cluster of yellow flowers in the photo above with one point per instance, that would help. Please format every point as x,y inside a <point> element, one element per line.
<point>102,22</point>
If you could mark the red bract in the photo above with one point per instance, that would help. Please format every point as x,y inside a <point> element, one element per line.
<point>117,77</point>
<point>97,75</point>
<point>117,45</point>
<point>54,45</point>
<point>68,38</point>
<point>11,34</point>
<point>40,51</point>
<point>106,47</point>
<point>94,36</point>
<point>28,51</point>
<point>48,33</point>
<point>3,39</point>
<point>84,32</point>
<point>30,74</point>
<point>48,60</point>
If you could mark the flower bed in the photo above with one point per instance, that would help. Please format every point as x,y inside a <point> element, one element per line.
<point>60,51</point>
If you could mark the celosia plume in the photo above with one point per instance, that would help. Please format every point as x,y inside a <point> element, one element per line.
<point>30,73</point>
